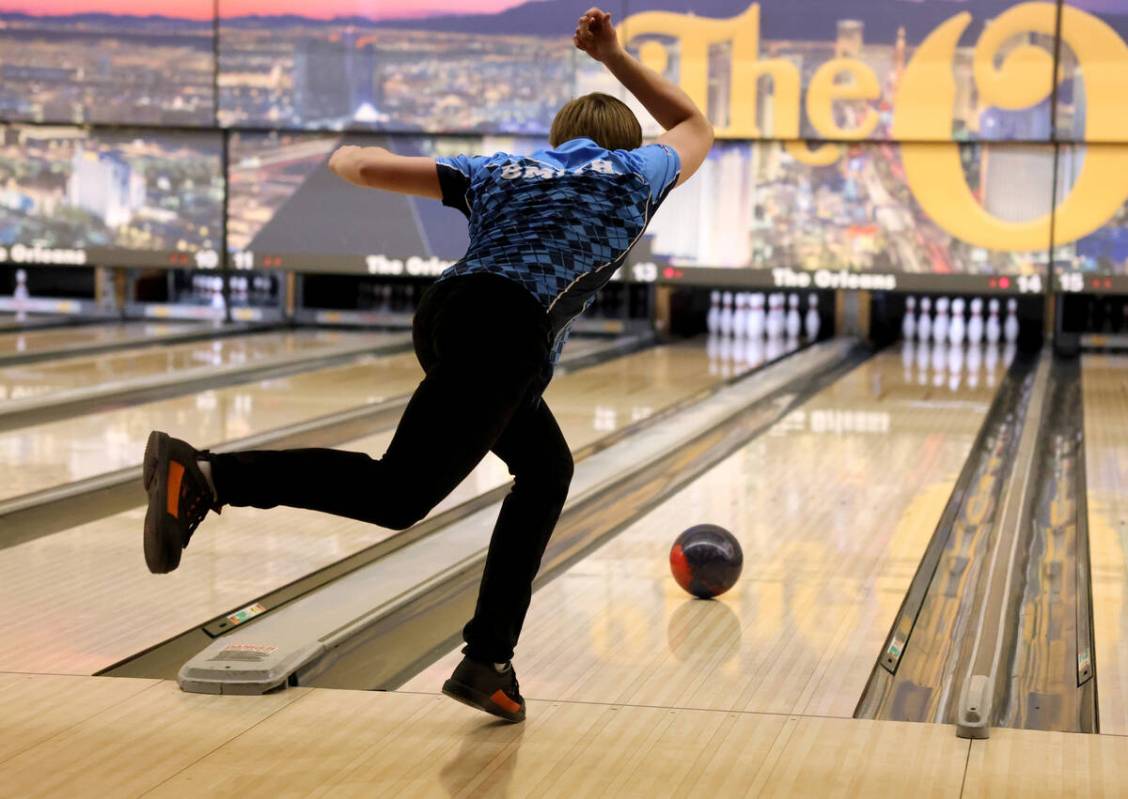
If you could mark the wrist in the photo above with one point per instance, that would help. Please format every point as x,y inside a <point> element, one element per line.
<point>618,55</point>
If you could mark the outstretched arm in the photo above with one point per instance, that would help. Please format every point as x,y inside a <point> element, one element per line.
<point>378,168</point>
<point>687,129</point>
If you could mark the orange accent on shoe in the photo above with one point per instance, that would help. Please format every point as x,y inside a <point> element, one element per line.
<point>500,699</point>
<point>175,477</point>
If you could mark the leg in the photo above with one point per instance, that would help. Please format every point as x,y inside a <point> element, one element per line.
<point>451,422</point>
<point>541,463</point>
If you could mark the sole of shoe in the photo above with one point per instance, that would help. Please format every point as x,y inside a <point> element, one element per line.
<point>162,549</point>
<point>471,697</point>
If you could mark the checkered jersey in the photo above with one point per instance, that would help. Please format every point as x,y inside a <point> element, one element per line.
<point>560,222</point>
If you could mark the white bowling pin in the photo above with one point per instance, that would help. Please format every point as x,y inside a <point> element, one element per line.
<point>975,323</point>
<point>756,318</point>
<point>813,321</point>
<point>993,330</point>
<point>940,323</point>
<point>740,316</point>
<point>957,327</point>
<point>924,321</point>
<point>727,314</point>
<point>1010,326</point>
<point>775,317</point>
<point>712,350</point>
<point>908,321</point>
<point>774,348</point>
<point>713,320</point>
<point>794,321</point>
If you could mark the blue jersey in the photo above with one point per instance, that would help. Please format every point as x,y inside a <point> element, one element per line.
<point>560,222</point>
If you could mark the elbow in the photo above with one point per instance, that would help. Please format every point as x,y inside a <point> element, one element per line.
<point>708,134</point>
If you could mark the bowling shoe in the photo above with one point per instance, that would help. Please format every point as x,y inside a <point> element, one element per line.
<point>482,686</point>
<point>179,499</point>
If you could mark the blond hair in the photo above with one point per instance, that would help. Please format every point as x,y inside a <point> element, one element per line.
<point>600,117</point>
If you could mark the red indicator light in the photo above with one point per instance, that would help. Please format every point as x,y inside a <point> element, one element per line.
<point>1004,282</point>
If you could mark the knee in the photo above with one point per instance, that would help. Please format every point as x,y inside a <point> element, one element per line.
<point>550,478</point>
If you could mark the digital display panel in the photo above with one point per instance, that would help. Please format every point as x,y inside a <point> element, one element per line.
<point>107,61</point>
<point>1091,224</point>
<point>287,210</point>
<point>76,196</point>
<point>919,70</point>
<point>478,66</point>
<point>869,208</point>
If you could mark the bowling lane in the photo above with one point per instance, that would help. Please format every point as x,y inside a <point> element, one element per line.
<point>1104,381</point>
<point>80,600</point>
<point>44,378</point>
<point>29,342</point>
<point>43,456</point>
<point>833,507</point>
<point>47,455</point>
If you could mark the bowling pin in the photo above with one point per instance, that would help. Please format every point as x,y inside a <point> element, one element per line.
<point>21,295</point>
<point>1010,326</point>
<point>940,323</point>
<point>992,329</point>
<point>756,318</point>
<point>713,320</point>
<point>712,350</point>
<point>975,323</point>
<point>727,314</point>
<point>908,321</point>
<point>780,320</point>
<point>794,321</point>
<point>813,321</point>
<point>740,315</point>
<point>924,321</point>
<point>957,327</point>
<point>775,347</point>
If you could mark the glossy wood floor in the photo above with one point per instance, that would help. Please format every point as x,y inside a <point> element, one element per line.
<point>80,600</point>
<point>38,457</point>
<point>44,378</point>
<point>833,508</point>
<point>90,736</point>
<point>1105,396</point>
<point>58,338</point>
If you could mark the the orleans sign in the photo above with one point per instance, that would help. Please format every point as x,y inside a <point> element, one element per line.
<point>923,107</point>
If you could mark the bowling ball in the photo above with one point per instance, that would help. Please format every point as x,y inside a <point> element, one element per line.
<point>706,560</point>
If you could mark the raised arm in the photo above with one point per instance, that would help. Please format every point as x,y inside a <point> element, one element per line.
<point>688,131</point>
<point>378,168</point>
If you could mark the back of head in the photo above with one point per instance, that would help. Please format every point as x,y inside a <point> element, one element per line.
<point>604,119</point>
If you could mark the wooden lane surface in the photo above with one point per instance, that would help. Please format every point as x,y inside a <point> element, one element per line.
<point>43,456</point>
<point>31,341</point>
<point>81,600</point>
<point>154,740</point>
<point>834,507</point>
<point>1105,399</point>
<point>43,378</point>
<point>90,736</point>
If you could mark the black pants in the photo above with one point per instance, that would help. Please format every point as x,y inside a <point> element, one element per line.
<point>482,341</point>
